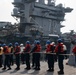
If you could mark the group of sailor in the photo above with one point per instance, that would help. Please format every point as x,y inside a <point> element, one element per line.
<point>22,53</point>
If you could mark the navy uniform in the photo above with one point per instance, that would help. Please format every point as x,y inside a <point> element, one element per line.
<point>27,55</point>
<point>11,50</point>
<point>59,50</point>
<point>50,57</point>
<point>22,54</point>
<point>33,54</point>
<point>36,52</point>
<point>7,57</point>
<point>17,55</point>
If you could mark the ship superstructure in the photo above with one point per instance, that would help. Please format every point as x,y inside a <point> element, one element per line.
<point>38,18</point>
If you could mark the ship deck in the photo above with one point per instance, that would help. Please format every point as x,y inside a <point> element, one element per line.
<point>68,70</point>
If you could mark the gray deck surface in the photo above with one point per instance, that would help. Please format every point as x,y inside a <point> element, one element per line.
<point>68,70</point>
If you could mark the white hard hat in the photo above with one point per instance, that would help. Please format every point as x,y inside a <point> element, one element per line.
<point>53,43</point>
<point>21,44</point>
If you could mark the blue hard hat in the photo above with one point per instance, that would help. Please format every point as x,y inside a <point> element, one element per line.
<point>16,43</point>
<point>27,42</point>
<point>10,44</point>
<point>59,40</point>
<point>48,42</point>
<point>4,44</point>
<point>38,42</point>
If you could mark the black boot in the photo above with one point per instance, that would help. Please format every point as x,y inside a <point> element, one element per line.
<point>38,68</point>
<point>17,68</point>
<point>50,70</point>
<point>3,68</point>
<point>35,68</point>
<point>9,68</point>
<point>60,72</point>
<point>27,68</point>
<point>0,66</point>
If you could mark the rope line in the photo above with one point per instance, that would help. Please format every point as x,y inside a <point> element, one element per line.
<point>43,53</point>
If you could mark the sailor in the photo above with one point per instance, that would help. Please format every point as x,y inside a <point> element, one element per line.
<point>50,57</point>
<point>33,54</point>
<point>11,50</point>
<point>26,51</point>
<point>22,54</point>
<point>65,50</point>
<point>7,57</point>
<point>17,55</point>
<point>1,55</point>
<point>59,50</point>
<point>36,52</point>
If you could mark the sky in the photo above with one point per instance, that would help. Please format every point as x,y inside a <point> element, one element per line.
<point>6,8</point>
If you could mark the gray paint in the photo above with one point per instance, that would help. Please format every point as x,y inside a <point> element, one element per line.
<point>46,17</point>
